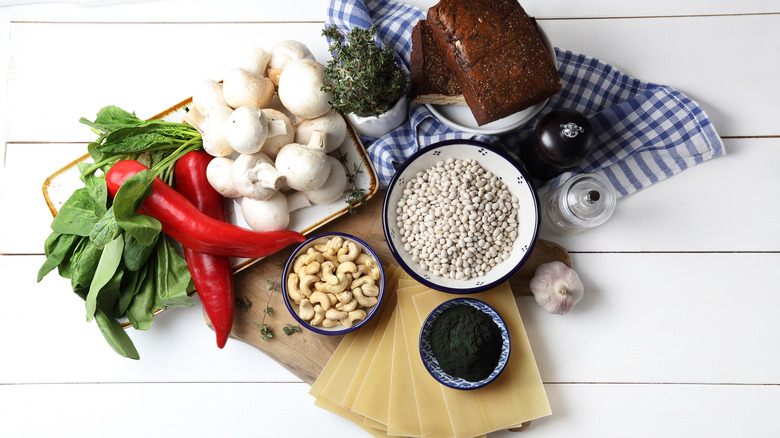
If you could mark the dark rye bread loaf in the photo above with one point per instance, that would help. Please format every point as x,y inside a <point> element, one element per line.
<point>431,80</point>
<point>493,49</point>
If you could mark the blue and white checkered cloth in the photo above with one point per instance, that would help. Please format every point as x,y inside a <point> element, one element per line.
<point>645,132</point>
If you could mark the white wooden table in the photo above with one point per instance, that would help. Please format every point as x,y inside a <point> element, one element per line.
<point>678,333</point>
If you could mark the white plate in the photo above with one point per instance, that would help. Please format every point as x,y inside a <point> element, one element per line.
<point>461,118</point>
<point>59,186</point>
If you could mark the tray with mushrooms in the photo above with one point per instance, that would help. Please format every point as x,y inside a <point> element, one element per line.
<point>282,156</point>
<point>333,283</point>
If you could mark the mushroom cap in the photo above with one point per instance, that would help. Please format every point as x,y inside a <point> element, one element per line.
<point>218,174</point>
<point>300,89</point>
<point>254,176</point>
<point>280,131</point>
<point>215,140</point>
<point>334,187</point>
<point>286,51</point>
<point>268,215</point>
<point>258,62</point>
<point>305,168</point>
<point>246,129</point>
<point>207,94</point>
<point>241,87</point>
<point>331,123</point>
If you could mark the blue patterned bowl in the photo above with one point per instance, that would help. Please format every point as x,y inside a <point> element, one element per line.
<point>429,359</point>
<point>492,159</point>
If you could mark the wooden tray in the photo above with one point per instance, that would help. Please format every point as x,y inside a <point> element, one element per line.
<point>305,353</point>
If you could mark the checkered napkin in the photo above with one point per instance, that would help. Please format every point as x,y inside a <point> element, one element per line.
<point>644,132</point>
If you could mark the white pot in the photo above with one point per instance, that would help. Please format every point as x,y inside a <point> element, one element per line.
<point>382,124</point>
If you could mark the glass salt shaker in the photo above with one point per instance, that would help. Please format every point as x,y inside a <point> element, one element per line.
<point>583,201</point>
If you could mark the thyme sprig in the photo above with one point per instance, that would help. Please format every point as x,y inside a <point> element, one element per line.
<point>356,196</point>
<point>364,78</point>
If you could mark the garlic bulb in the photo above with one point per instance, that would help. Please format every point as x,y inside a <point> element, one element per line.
<point>556,287</point>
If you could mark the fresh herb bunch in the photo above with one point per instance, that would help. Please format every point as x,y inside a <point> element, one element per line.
<point>364,78</point>
<point>117,260</point>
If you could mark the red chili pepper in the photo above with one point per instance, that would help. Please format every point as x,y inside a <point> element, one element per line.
<point>182,221</point>
<point>212,275</point>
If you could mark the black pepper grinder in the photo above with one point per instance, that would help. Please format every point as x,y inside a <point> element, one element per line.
<point>562,139</point>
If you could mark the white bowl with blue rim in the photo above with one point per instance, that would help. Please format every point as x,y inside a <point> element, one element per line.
<point>492,159</point>
<point>302,249</point>
<point>429,359</point>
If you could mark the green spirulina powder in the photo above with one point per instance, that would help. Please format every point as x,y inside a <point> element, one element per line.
<point>466,342</point>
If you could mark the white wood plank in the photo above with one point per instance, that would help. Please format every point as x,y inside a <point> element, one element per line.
<point>46,339</point>
<point>210,410</point>
<point>704,208</point>
<point>720,62</point>
<point>145,68</point>
<point>97,74</point>
<point>721,205</point>
<point>680,318</point>
<point>242,10</point>
<point>663,318</point>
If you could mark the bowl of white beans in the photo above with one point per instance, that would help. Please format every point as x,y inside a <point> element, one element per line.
<point>461,216</point>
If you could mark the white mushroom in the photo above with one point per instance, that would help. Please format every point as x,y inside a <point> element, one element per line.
<point>280,131</point>
<point>334,186</point>
<point>283,52</point>
<point>215,140</point>
<point>196,119</point>
<point>332,123</point>
<point>258,62</point>
<point>254,176</point>
<point>207,94</point>
<point>300,89</point>
<point>218,174</point>
<point>240,88</point>
<point>246,129</point>
<point>305,166</point>
<point>268,215</point>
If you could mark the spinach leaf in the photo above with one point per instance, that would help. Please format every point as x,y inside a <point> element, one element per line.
<point>136,254</point>
<point>128,200</point>
<point>77,215</point>
<point>115,335</point>
<point>58,248</point>
<point>131,284</point>
<point>173,279</point>
<point>83,264</point>
<point>105,230</point>
<point>111,118</point>
<point>136,139</point>
<point>141,310</point>
<point>106,267</point>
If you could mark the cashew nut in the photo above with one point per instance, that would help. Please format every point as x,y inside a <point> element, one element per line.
<point>306,283</point>
<point>327,274</point>
<point>319,315</point>
<point>312,268</point>
<point>344,281</point>
<point>347,267</point>
<point>362,299</point>
<point>335,314</point>
<point>358,282</point>
<point>292,288</point>
<point>328,323</point>
<point>320,298</point>
<point>363,259</point>
<point>353,317</point>
<point>349,306</point>
<point>344,297</point>
<point>351,254</point>
<point>312,256</point>
<point>370,290</point>
<point>361,271</point>
<point>305,310</point>
<point>299,263</point>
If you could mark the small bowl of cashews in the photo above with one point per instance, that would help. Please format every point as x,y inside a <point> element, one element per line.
<point>461,216</point>
<point>333,283</point>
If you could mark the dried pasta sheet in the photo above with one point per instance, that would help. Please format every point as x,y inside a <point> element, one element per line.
<point>516,396</point>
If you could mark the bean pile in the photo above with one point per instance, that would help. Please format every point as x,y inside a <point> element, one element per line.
<point>457,220</point>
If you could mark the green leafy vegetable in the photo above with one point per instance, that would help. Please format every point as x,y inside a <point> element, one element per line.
<point>117,260</point>
<point>290,329</point>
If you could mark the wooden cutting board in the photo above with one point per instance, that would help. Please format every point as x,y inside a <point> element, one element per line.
<point>305,353</point>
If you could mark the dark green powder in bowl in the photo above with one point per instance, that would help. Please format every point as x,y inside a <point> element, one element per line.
<point>466,342</point>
